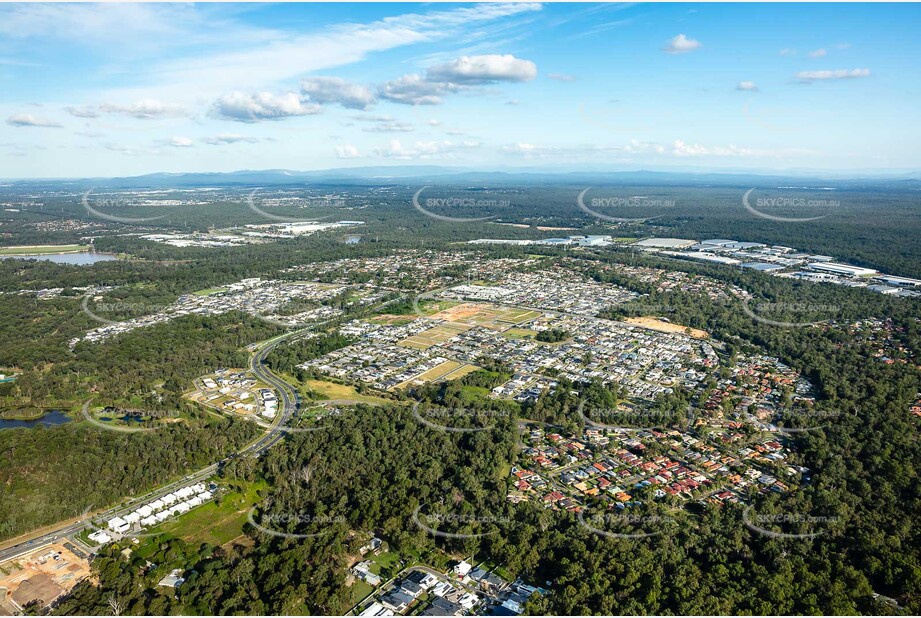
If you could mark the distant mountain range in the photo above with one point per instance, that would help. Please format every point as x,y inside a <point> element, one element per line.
<point>432,174</point>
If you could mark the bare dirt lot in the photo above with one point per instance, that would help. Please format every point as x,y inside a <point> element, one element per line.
<point>43,574</point>
<point>668,327</point>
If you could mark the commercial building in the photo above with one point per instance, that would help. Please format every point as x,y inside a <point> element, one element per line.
<point>842,269</point>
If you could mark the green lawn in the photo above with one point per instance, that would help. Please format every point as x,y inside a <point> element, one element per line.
<point>359,590</point>
<point>215,523</point>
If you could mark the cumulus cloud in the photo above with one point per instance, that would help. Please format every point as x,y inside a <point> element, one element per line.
<point>485,69</point>
<point>413,89</point>
<point>229,138</point>
<point>241,107</point>
<point>180,142</point>
<point>347,152</point>
<point>464,73</point>
<point>424,150</point>
<point>819,53</point>
<point>144,110</point>
<point>28,120</point>
<point>809,77</point>
<point>748,86</point>
<point>682,45</point>
<point>338,91</point>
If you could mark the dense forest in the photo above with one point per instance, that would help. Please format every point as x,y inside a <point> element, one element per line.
<point>373,469</point>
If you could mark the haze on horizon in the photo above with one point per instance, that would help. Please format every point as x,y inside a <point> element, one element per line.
<point>119,90</point>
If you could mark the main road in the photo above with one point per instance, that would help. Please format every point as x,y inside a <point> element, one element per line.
<point>275,431</point>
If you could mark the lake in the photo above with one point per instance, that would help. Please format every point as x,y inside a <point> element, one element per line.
<point>77,259</point>
<point>55,417</point>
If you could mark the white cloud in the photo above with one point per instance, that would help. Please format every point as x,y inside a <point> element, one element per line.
<point>485,69</point>
<point>682,45</point>
<point>390,127</point>
<point>28,120</point>
<point>747,85</point>
<point>819,53</point>
<point>229,138</point>
<point>464,73</point>
<point>180,142</point>
<point>414,89</point>
<point>261,106</point>
<point>335,90</point>
<point>821,76</point>
<point>787,51</point>
<point>681,149</point>
<point>265,58</point>
<point>82,112</point>
<point>347,152</point>
<point>145,109</point>
<point>424,150</point>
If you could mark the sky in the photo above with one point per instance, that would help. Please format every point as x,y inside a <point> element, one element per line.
<point>103,90</point>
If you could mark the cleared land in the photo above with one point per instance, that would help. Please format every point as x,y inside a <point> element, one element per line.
<point>335,391</point>
<point>434,335</point>
<point>490,316</point>
<point>668,327</point>
<point>43,249</point>
<point>42,574</point>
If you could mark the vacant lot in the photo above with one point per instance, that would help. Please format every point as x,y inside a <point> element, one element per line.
<point>668,327</point>
<point>434,335</point>
<point>43,249</point>
<point>490,316</point>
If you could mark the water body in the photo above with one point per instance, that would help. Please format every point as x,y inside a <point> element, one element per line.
<point>55,417</point>
<point>77,259</point>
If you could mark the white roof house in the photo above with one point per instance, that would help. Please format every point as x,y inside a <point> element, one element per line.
<point>118,524</point>
<point>133,518</point>
<point>463,568</point>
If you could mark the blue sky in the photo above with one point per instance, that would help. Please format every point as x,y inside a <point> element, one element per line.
<point>111,90</point>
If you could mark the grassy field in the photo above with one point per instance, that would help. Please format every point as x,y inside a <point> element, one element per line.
<point>358,590</point>
<point>43,249</point>
<point>520,333</point>
<point>333,390</point>
<point>215,523</point>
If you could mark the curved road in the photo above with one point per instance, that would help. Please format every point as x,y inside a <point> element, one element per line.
<point>273,435</point>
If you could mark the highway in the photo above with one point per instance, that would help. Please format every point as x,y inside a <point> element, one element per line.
<point>275,433</point>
